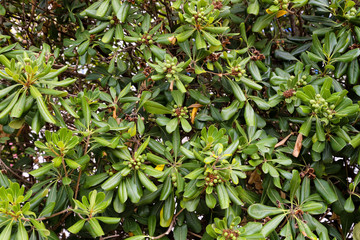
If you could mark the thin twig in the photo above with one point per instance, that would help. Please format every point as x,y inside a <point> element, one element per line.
<point>170,227</point>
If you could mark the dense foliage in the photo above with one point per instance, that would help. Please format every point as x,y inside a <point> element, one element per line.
<point>181,119</point>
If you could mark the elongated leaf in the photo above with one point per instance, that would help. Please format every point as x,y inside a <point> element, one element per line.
<point>325,190</point>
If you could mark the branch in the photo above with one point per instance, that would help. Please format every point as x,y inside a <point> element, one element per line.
<point>170,227</point>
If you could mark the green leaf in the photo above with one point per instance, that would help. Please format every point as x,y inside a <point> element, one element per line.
<point>223,196</point>
<point>172,125</point>
<point>123,11</point>
<point>2,10</point>
<point>348,56</point>
<point>284,55</point>
<point>103,8</point>
<point>137,237</point>
<point>250,116</point>
<point>319,130</point>
<point>185,125</point>
<point>95,226</point>
<point>325,190</point>
<point>77,226</point>
<point>83,47</point>
<point>210,38</point>
<point>306,127</point>
<point>200,42</point>
<point>294,184</point>
<point>355,142</point>
<point>6,232</point>
<point>259,211</point>
<point>262,22</point>
<point>42,170</point>
<point>109,220</point>
<point>112,182</point>
<point>337,143</point>
<point>146,182</point>
<point>184,35</point>
<point>156,108</point>
<point>180,232</point>
<point>253,7</point>
<point>86,111</point>
<point>238,93</point>
<point>353,72</point>
<point>272,225</point>
<point>228,112</point>
<point>254,70</point>
<point>21,233</point>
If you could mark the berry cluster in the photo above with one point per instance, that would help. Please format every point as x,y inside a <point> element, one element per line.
<point>238,71</point>
<point>113,20</point>
<point>146,38</point>
<point>180,112</point>
<point>321,107</point>
<point>212,179</point>
<point>230,234</point>
<point>200,15</point>
<point>301,82</point>
<point>171,68</point>
<point>110,171</point>
<point>174,179</point>
<point>283,4</point>
<point>136,163</point>
<point>352,12</point>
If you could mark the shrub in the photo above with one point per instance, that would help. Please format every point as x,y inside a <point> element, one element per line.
<point>199,119</point>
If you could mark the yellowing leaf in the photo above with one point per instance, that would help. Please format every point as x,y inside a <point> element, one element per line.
<point>164,223</point>
<point>160,167</point>
<point>193,114</point>
<point>268,11</point>
<point>132,131</point>
<point>281,13</point>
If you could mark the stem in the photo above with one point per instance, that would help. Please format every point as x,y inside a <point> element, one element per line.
<point>170,227</point>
